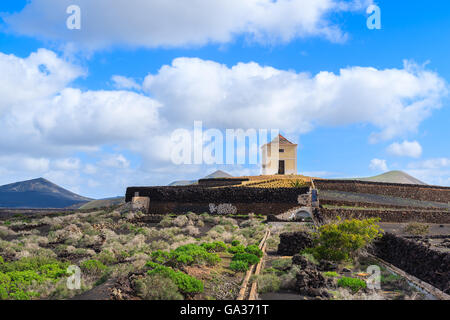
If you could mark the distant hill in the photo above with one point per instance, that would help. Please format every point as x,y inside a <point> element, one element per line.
<point>218,174</point>
<point>214,175</point>
<point>393,177</point>
<point>39,194</point>
<point>103,203</point>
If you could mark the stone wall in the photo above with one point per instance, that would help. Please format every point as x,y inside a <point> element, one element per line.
<point>221,182</point>
<point>414,258</point>
<point>343,203</point>
<point>406,215</point>
<point>417,192</point>
<point>226,200</point>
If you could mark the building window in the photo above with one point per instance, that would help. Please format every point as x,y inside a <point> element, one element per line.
<point>281,150</point>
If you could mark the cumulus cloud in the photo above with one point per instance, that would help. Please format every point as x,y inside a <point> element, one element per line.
<point>433,171</point>
<point>172,23</point>
<point>378,165</point>
<point>121,82</point>
<point>52,129</point>
<point>411,149</point>
<point>248,95</point>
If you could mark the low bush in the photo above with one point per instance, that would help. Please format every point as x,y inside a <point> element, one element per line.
<point>239,266</point>
<point>235,243</point>
<point>354,284</point>
<point>18,278</point>
<point>190,254</point>
<point>341,240</point>
<point>185,283</point>
<point>254,249</point>
<point>282,264</point>
<point>236,249</point>
<point>216,246</point>
<point>247,257</point>
<point>157,287</point>
<point>268,283</point>
<point>417,229</point>
<point>93,267</point>
<point>331,274</point>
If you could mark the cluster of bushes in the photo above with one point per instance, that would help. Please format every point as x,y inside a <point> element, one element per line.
<point>244,257</point>
<point>353,284</point>
<point>190,254</point>
<point>341,240</point>
<point>185,283</point>
<point>18,277</point>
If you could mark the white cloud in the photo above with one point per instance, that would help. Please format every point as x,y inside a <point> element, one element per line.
<point>67,164</point>
<point>432,171</point>
<point>411,149</point>
<point>171,23</point>
<point>121,82</point>
<point>248,95</point>
<point>378,165</point>
<point>45,128</point>
<point>39,76</point>
<point>115,161</point>
<point>437,163</point>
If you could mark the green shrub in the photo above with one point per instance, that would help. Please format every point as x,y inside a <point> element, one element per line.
<point>281,264</point>
<point>157,287</point>
<point>18,277</point>
<point>185,283</point>
<point>236,249</point>
<point>331,274</point>
<point>354,284</point>
<point>190,254</point>
<point>239,266</point>
<point>235,243</point>
<point>193,254</point>
<point>268,283</point>
<point>339,241</point>
<point>93,267</point>
<point>247,257</point>
<point>254,249</point>
<point>216,246</point>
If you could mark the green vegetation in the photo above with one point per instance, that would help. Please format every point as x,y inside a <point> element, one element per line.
<point>255,250</point>
<point>341,240</point>
<point>282,264</point>
<point>247,257</point>
<point>239,266</point>
<point>185,283</point>
<point>18,278</point>
<point>354,284</point>
<point>157,287</point>
<point>331,274</point>
<point>236,249</point>
<point>268,283</point>
<point>216,246</point>
<point>190,254</point>
<point>93,267</point>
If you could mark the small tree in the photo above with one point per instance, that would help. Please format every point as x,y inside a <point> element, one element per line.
<point>341,240</point>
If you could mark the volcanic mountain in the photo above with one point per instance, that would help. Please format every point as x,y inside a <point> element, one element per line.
<point>38,194</point>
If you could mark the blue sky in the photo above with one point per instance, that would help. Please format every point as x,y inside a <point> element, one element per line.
<point>96,136</point>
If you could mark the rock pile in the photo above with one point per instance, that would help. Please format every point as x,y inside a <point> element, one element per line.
<point>292,243</point>
<point>309,280</point>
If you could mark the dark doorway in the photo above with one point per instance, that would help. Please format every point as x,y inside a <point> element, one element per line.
<point>281,167</point>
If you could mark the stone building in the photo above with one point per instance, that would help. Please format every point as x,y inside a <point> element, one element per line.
<point>279,157</point>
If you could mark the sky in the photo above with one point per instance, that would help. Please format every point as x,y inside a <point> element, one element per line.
<point>95,109</point>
